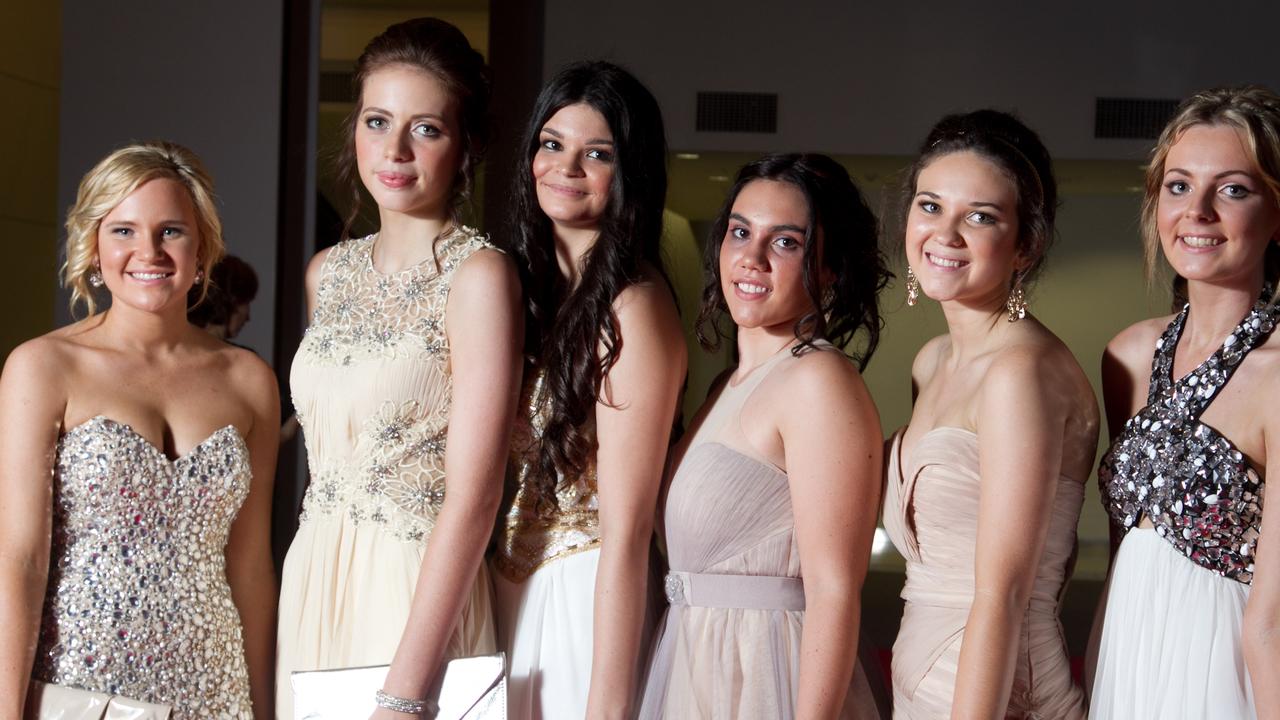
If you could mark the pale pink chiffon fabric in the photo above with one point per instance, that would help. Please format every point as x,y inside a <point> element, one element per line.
<point>931,514</point>
<point>730,514</point>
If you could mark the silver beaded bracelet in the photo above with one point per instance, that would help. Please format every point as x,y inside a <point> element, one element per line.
<point>426,707</point>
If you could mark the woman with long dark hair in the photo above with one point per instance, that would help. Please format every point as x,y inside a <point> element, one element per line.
<point>986,482</point>
<point>405,386</point>
<point>605,357</point>
<point>775,488</point>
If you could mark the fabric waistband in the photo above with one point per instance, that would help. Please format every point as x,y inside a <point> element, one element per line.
<point>744,592</point>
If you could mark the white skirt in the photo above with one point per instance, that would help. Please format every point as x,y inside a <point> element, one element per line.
<point>1170,645</point>
<point>545,626</point>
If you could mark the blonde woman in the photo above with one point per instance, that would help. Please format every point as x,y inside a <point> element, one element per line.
<point>136,464</point>
<point>1191,627</point>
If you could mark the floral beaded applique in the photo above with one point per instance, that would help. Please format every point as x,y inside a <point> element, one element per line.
<point>536,529</point>
<point>395,475</point>
<point>1200,493</point>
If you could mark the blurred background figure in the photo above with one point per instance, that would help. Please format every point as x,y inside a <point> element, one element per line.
<point>225,309</point>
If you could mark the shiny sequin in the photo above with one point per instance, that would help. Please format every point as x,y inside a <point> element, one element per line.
<point>535,531</point>
<point>1196,487</point>
<point>138,603</point>
<point>394,478</point>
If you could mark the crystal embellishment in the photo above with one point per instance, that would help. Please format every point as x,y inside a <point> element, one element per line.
<point>1196,487</point>
<point>138,602</point>
<point>673,586</point>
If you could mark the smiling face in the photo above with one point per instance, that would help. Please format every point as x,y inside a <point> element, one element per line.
<point>148,246</point>
<point>1215,214</point>
<point>573,166</point>
<point>962,230</point>
<point>408,148</point>
<point>762,257</point>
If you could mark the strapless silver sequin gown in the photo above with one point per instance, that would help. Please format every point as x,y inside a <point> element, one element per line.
<point>138,603</point>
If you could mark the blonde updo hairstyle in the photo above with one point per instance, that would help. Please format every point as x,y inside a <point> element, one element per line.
<point>1252,110</point>
<point>110,182</point>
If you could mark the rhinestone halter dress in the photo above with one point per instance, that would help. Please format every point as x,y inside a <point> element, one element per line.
<point>1192,482</point>
<point>138,603</point>
<point>1171,644</point>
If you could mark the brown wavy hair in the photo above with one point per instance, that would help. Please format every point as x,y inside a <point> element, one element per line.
<point>849,250</point>
<point>436,47</point>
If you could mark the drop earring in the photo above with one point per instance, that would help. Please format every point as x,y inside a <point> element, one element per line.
<point>1016,305</point>
<point>95,277</point>
<point>913,288</point>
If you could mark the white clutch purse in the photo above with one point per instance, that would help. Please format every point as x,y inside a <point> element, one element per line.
<point>473,688</point>
<point>59,702</point>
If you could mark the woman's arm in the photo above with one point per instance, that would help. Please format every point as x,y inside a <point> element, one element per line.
<point>831,438</point>
<point>250,571</point>
<point>1261,629</point>
<point>31,406</point>
<point>633,428</point>
<point>1023,409</point>
<point>484,324</point>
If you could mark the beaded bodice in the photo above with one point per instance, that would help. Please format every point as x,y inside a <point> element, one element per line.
<point>138,603</point>
<point>372,387</point>
<point>1195,486</point>
<point>538,529</point>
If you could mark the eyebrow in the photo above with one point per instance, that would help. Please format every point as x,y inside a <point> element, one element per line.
<point>593,141</point>
<point>376,109</point>
<point>776,228</point>
<point>976,203</point>
<point>130,223</point>
<point>1222,174</point>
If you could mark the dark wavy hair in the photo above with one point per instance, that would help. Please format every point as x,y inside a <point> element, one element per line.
<point>842,226</point>
<point>566,326</point>
<point>436,47</point>
<point>1015,148</point>
<point>232,282</point>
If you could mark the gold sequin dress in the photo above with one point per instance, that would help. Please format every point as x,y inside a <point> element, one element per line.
<point>372,389</point>
<point>138,603</point>
<point>545,579</point>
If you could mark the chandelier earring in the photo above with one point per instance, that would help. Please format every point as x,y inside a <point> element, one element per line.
<point>1016,305</point>
<point>913,288</point>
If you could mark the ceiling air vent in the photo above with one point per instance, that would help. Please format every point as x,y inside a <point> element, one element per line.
<point>335,87</point>
<point>737,112</point>
<point>1131,118</point>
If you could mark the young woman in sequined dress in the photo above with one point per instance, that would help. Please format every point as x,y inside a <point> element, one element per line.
<point>606,357</point>
<point>405,386</point>
<point>1191,621</point>
<point>144,448</point>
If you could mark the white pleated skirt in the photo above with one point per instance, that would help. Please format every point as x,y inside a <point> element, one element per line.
<point>1170,645</point>
<point>545,626</point>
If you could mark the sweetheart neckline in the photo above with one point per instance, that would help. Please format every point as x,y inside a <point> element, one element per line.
<point>186,456</point>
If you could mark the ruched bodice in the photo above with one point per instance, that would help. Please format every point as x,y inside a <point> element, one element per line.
<point>931,515</point>
<point>714,483</point>
<point>730,642</point>
<point>138,602</point>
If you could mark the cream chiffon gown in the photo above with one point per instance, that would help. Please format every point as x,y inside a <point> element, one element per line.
<point>931,514</point>
<point>729,646</point>
<point>371,385</point>
<point>545,579</point>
